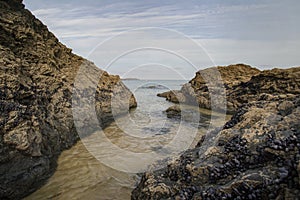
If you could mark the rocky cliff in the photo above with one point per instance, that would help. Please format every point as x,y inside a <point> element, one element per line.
<point>198,90</point>
<point>242,84</point>
<point>37,75</point>
<point>254,156</point>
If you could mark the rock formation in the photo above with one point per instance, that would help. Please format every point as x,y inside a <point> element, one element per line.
<point>276,81</point>
<point>254,156</point>
<point>239,89</point>
<point>37,75</point>
<point>198,90</point>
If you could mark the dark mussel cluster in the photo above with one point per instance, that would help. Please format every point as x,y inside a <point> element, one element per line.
<point>270,173</point>
<point>280,168</point>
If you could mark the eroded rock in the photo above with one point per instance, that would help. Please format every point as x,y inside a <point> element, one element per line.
<point>37,75</point>
<point>239,84</point>
<point>215,80</point>
<point>254,156</point>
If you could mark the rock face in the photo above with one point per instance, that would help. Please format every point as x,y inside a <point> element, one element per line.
<point>275,81</point>
<point>197,91</point>
<point>37,75</point>
<point>242,84</point>
<point>254,156</point>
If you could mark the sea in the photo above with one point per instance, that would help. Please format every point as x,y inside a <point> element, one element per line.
<point>93,169</point>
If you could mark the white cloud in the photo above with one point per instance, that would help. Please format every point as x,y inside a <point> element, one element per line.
<point>262,54</point>
<point>264,33</point>
<point>47,12</point>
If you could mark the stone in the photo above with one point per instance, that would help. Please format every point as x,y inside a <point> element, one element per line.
<point>174,112</point>
<point>242,84</point>
<point>37,75</point>
<point>173,96</point>
<point>255,155</point>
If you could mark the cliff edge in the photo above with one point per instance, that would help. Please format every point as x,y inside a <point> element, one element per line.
<point>37,75</point>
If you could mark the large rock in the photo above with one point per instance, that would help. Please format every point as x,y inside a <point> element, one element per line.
<point>198,91</point>
<point>282,82</point>
<point>241,83</point>
<point>254,156</point>
<point>37,75</point>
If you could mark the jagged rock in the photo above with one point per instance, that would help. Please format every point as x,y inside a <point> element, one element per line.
<point>197,91</point>
<point>37,75</point>
<point>242,84</point>
<point>254,156</point>
<point>283,82</point>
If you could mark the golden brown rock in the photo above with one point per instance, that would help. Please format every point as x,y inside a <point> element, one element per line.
<point>254,156</point>
<point>37,75</point>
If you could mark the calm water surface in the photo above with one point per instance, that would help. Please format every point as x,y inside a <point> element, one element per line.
<point>80,175</point>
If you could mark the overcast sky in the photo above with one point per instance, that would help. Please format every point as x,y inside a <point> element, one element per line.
<point>189,35</point>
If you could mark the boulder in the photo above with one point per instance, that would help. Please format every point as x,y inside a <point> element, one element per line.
<point>174,96</point>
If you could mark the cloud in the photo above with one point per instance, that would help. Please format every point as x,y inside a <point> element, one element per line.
<point>262,33</point>
<point>262,54</point>
<point>47,12</point>
<point>69,24</point>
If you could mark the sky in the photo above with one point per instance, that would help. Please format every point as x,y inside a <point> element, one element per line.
<point>172,39</point>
